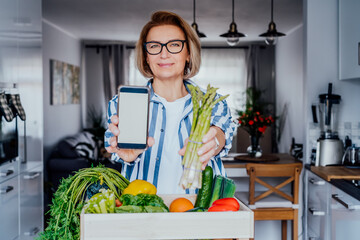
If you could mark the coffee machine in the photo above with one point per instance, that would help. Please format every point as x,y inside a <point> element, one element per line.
<point>329,147</point>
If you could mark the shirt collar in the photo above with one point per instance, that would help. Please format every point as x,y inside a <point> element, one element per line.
<point>188,107</point>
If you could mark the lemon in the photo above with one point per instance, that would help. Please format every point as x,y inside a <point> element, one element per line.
<point>140,186</point>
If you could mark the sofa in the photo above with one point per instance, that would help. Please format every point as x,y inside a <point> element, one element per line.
<point>72,153</point>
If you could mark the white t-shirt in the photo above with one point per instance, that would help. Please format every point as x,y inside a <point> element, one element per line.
<point>171,169</point>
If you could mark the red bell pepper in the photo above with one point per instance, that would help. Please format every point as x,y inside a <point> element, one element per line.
<point>227,201</point>
<point>222,208</point>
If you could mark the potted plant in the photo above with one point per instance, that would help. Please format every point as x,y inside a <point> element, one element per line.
<point>254,119</point>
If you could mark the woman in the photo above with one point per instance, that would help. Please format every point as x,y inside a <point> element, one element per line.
<point>168,52</point>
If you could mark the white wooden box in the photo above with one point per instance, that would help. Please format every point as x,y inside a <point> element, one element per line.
<point>188,225</point>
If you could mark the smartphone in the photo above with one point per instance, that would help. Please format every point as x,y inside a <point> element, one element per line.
<point>133,112</point>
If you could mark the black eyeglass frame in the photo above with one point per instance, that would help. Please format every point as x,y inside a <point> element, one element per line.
<point>165,44</point>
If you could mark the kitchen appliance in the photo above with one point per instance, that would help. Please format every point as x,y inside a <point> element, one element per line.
<point>351,157</point>
<point>329,147</point>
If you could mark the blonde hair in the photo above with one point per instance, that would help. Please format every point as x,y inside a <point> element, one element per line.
<point>193,43</point>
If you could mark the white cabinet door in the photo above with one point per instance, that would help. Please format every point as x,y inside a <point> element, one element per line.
<point>9,209</point>
<point>31,210</point>
<point>318,211</point>
<point>349,39</point>
<point>345,216</point>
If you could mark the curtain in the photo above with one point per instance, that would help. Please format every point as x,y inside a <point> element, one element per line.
<point>115,68</point>
<point>226,70</point>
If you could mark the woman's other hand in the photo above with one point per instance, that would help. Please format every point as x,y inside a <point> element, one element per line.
<point>208,148</point>
<point>128,155</point>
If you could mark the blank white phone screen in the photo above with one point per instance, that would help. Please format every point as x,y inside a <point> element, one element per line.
<point>133,112</point>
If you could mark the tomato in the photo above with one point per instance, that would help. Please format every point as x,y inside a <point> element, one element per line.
<point>222,208</point>
<point>227,201</point>
<point>118,203</point>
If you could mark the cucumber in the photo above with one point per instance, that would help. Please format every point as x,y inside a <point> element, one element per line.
<point>204,196</point>
<point>228,188</point>
<point>217,189</point>
<point>197,209</point>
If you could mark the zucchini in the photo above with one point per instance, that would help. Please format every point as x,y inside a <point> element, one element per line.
<point>228,190</point>
<point>217,189</point>
<point>204,196</point>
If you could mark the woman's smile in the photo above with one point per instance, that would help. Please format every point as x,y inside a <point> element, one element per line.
<point>165,65</point>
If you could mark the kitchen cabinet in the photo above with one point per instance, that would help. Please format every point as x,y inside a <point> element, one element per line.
<point>21,200</point>
<point>9,207</point>
<point>317,207</point>
<point>331,214</point>
<point>349,39</point>
<point>345,215</point>
<point>31,202</point>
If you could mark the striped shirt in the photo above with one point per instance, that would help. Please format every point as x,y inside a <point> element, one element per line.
<point>147,164</point>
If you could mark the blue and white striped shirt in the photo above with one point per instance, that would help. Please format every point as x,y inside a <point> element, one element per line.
<point>147,165</point>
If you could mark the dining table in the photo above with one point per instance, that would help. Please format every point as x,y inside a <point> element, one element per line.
<point>235,163</point>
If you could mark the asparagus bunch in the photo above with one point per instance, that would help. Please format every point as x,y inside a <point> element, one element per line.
<point>202,108</point>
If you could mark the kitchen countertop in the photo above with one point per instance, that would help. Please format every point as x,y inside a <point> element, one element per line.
<point>340,177</point>
<point>336,172</point>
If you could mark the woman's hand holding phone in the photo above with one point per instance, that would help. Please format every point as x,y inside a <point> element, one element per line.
<point>128,155</point>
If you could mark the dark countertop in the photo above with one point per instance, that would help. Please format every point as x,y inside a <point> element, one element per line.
<point>342,184</point>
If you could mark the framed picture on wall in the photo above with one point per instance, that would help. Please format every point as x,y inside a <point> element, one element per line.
<point>64,83</point>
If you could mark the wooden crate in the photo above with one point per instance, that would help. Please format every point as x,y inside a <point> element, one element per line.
<point>196,225</point>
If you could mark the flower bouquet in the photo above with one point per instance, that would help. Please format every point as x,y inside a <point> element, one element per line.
<point>254,120</point>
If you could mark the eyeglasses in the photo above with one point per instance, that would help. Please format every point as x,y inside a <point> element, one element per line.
<point>173,46</point>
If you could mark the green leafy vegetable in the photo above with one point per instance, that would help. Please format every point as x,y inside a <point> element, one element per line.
<point>142,199</point>
<point>139,209</point>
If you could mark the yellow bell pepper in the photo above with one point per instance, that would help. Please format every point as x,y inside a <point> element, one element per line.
<point>139,186</point>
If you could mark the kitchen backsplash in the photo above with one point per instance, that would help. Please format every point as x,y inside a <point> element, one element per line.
<point>351,129</point>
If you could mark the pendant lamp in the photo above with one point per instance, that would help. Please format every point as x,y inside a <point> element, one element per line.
<point>195,26</point>
<point>233,36</point>
<point>272,34</point>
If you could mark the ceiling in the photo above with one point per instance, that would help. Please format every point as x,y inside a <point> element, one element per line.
<point>122,20</point>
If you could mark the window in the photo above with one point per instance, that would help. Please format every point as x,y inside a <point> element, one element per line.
<point>222,68</point>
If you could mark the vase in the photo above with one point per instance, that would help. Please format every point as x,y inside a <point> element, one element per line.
<point>254,149</point>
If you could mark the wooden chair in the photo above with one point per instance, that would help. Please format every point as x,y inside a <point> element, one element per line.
<point>273,203</point>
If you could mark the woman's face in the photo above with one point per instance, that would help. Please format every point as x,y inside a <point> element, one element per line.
<point>166,65</point>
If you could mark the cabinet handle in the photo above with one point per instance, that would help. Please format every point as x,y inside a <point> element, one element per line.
<point>315,212</point>
<point>337,198</point>
<point>7,173</point>
<point>316,182</point>
<point>32,231</point>
<point>32,176</point>
<point>6,190</point>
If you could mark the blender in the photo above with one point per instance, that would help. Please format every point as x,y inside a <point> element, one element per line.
<point>329,147</point>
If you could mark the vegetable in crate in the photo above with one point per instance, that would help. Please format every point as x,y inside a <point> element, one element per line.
<point>224,205</point>
<point>64,222</point>
<point>142,199</point>
<point>223,188</point>
<point>146,203</point>
<point>202,108</point>
<point>102,202</point>
<point>204,196</point>
<point>140,186</point>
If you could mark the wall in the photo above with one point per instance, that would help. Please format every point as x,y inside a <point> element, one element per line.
<point>321,59</point>
<point>59,120</point>
<point>289,87</point>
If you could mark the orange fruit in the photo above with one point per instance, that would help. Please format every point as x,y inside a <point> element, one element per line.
<point>181,205</point>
